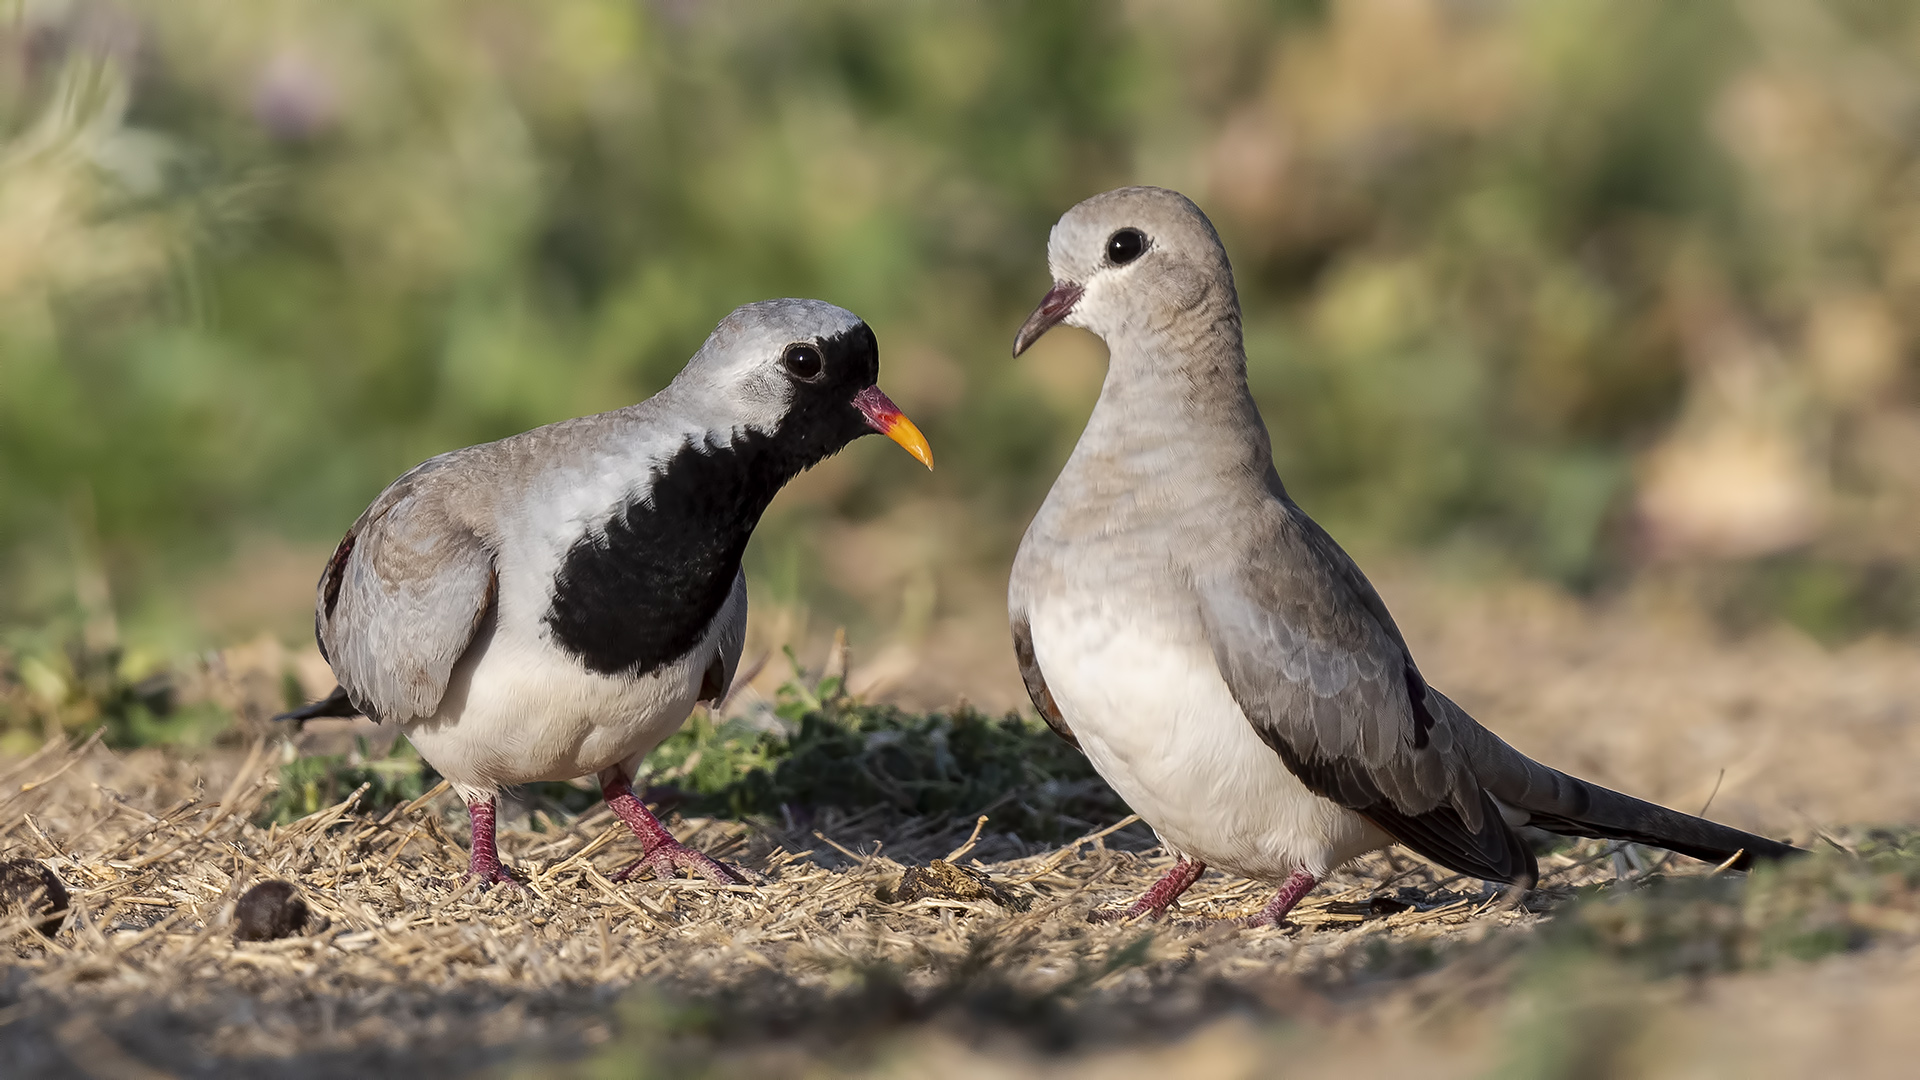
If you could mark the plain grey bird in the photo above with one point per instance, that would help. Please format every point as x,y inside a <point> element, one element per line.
<point>554,604</point>
<point>1218,658</point>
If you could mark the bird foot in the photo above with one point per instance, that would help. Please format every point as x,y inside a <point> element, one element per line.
<point>1292,891</point>
<point>483,861</point>
<point>1157,899</point>
<point>1132,911</point>
<point>1261,922</point>
<point>670,856</point>
<point>491,874</point>
<point>665,856</point>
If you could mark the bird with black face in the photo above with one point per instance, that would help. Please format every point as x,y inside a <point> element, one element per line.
<point>554,604</point>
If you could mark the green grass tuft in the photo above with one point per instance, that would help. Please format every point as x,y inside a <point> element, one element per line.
<point>845,753</point>
<point>311,784</point>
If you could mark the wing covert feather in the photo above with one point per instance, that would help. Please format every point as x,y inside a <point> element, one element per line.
<point>400,602</point>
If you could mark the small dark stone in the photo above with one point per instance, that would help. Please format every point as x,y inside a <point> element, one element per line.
<point>29,888</point>
<point>269,910</point>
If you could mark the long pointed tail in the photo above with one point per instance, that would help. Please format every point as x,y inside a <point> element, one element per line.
<point>1552,800</point>
<point>334,704</point>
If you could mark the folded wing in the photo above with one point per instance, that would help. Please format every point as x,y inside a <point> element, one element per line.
<point>401,600</point>
<point>1317,666</point>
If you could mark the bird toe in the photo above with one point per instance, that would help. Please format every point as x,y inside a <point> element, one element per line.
<point>670,858</point>
<point>490,875</point>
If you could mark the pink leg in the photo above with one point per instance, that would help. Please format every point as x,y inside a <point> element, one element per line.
<point>484,862</point>
<point>1292,891</point>
<point>658,849</point>
<point>1164,892</point>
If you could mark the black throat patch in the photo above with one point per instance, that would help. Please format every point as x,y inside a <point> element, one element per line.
<point>643,591</point>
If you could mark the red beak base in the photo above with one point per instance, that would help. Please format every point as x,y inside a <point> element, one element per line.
<point>886,418</point>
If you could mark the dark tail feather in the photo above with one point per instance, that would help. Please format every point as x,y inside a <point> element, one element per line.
<point>1570,806</point>
<point>334,704</point>
<point>1609,815</point>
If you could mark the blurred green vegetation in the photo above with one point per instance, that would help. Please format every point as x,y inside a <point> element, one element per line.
<point>1802,909</point>
<point>1581,1005</point>
<point>55,685</point>
<point>1600,291</point>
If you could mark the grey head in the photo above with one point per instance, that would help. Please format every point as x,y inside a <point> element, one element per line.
<point>802,371</point>
<point>1135,265</point>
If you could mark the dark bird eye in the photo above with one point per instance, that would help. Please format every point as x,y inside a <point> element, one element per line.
<point>803,362</point>
<point>1125,246</point>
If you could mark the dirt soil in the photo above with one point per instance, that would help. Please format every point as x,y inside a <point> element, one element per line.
<point>982,961</point>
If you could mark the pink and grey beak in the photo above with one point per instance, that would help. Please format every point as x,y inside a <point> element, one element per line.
<point>886,418</point>
<point>1057,304</point>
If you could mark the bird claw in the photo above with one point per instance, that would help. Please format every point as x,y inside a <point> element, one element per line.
<point>671,856</point>
<point>1259,922</point>
<point>491,875</point>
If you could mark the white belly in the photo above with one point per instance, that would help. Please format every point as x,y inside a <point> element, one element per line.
<point>518,710</point>
<point>1159,724</point>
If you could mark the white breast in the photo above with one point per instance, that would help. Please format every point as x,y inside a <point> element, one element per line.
<point>518,709</point>
<point>1140,690</point>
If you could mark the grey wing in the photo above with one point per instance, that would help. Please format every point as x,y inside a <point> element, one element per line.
<point>1036,683</point>
<point>1310,655</point>
<point>400,602</point>
<point>717,680</point>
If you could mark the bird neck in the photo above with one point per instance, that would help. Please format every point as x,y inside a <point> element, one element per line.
<point>715,439</point>
<point>1176,402</point>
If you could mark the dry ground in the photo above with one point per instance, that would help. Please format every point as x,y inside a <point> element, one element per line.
<point>1393,966</point>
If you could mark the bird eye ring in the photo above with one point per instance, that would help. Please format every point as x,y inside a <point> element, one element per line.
<point>1125,246</point>
<point>803,362</point>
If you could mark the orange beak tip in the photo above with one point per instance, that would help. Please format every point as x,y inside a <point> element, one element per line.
<point>886,418</point>
<point>904,432</point>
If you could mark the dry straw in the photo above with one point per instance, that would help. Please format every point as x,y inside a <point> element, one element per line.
<point>403,953</point>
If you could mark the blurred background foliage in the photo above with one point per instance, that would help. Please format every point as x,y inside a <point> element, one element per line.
<point>1612,292</point>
